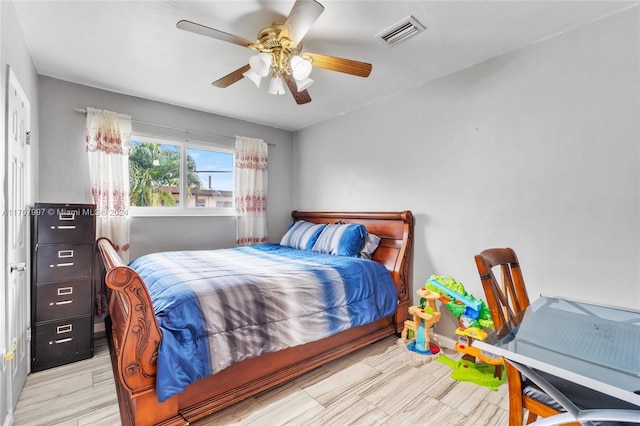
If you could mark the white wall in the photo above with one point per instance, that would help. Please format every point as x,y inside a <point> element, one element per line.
<point>537,150</point>
<point>64,170</point>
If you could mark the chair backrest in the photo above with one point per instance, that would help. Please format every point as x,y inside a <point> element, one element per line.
<point>506,298</point>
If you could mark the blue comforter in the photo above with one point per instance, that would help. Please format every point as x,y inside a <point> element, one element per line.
<point>218,307</point>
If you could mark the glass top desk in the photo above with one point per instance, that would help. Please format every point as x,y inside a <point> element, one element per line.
<point>591,345</point>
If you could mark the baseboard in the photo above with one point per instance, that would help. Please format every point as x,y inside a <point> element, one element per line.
<point>8,421</point>
<point>444,341</point>
<point>99,329</point>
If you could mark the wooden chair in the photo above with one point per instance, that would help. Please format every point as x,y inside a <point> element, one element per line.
<point>507,299</point>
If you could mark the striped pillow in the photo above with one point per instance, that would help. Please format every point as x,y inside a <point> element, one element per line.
<point>302,235</point>
<point>343,240</point>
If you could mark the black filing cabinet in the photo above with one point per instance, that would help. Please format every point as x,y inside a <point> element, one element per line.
<point>62,290</point>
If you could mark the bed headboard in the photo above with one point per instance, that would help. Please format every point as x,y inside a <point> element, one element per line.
<point>395,250</point>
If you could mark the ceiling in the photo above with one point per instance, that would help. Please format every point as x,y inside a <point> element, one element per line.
<point>134,47</point>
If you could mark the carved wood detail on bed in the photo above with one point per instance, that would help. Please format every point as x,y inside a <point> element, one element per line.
<point>138,336</point>
<point>134,334</point>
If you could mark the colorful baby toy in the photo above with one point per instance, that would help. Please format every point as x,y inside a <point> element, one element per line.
<point>473,315</point>
<point>425,316</point>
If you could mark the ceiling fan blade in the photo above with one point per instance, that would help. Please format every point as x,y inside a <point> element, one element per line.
<point>213,33</point>
<point>300,97</point>
<point>231,78</point>
<point>333,63</point>
<point>303,15</point>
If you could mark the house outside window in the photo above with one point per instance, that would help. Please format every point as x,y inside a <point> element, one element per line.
<point>169,177</point>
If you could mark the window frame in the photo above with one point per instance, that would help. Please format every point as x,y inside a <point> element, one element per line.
<point>181,210</point>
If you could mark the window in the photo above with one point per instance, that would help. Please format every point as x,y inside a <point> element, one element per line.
<point>177,178</point>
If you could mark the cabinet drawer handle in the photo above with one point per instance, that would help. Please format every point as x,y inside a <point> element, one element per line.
<point>64,291</point>
<point>67,216</point>
<point>57,342</point>
<point>61,302</point>
<point>65,253</point>
<point>60,265</point>
<point>64,227</point>
<point>67,328</point>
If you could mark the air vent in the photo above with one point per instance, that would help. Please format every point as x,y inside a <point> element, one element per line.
<point>401,31</point>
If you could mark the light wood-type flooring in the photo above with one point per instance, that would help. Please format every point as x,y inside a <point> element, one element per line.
<point>381,384</point>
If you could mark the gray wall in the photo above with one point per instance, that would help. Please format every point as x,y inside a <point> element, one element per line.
<point>537,149</point>
<point>64,170</point>
<point>15,54</point>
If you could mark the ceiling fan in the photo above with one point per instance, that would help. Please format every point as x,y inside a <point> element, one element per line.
<point>280,53</point>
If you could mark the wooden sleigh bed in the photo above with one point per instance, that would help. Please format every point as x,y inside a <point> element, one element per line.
<point>134,335</point>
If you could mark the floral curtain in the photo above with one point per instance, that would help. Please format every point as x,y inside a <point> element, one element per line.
<point>108,137</point>
<point>250,190</point>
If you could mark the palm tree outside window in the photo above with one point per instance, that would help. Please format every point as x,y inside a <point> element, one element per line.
<point>178,177</point>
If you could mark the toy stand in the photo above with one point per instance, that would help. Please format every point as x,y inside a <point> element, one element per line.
<point>415,335</point>
<point>474,366</point>
<point>473,354</point>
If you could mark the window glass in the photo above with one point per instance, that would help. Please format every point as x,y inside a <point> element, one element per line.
<point>154,174</point>
<point>211,178</point>
<point>168,177</point>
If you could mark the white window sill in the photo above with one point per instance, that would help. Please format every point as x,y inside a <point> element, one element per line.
<point>177,212</point>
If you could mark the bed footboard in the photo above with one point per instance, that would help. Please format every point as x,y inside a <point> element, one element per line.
<point>134,336</point>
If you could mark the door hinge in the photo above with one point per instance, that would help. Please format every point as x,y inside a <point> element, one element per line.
<point>28,334</point>
<point>20,267</point>
<point>28,138</point>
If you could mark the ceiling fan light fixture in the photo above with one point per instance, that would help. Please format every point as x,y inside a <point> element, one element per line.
<point>260,64</point>
<point>303,84</point>
<point>276,86</point>
<point>251,75</point>
<point>279,52</point>
<point>300,67</point>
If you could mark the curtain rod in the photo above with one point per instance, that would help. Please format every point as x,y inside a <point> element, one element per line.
<point>84,111</point>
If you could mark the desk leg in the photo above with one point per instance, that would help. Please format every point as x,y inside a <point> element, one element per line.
<point>574,414</point>
<point>584,417</point>
<point>572,411</point>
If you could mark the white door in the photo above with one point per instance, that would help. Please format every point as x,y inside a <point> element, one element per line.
<point>15,366</point>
